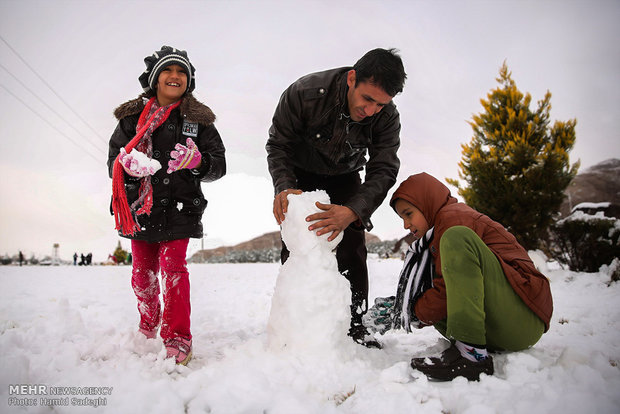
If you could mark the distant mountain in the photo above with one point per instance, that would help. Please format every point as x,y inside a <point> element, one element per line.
<point>597,184</point>
<point>268,241</point>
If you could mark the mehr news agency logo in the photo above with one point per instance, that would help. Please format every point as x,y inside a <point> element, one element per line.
<point>31,395</point>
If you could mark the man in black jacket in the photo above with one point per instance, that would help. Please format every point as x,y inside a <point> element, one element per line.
<point>327,127</point>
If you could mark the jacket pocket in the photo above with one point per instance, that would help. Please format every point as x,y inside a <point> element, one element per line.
<point>132,189</point>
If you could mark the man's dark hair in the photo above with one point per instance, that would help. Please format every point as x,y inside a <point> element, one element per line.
<point>383,68</point>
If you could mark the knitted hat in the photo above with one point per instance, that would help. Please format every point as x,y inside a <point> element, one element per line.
<point>159,60</point>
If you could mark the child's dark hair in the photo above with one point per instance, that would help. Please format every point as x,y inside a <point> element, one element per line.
<point>382,67</point>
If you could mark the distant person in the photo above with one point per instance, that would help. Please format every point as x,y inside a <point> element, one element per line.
<point>160,209</point>
<point>327,127</point>
<point>89,259</point>
<point>82,259</point>
<point>21,258</point>
<point>75,256</point>
<point>476,284</point>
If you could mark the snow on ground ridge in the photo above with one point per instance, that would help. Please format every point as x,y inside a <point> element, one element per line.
<point>76,326</point>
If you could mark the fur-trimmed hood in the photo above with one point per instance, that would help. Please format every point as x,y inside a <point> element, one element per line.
<point>191,109</point>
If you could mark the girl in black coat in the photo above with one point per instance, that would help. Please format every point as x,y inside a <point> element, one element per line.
<point>164,146</point>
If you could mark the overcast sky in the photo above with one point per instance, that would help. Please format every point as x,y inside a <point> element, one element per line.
<point>54,186</point>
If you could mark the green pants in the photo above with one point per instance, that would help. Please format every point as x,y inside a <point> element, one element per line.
<point>482,306</point>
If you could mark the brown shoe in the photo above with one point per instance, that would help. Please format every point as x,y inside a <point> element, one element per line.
<point>451,364</point>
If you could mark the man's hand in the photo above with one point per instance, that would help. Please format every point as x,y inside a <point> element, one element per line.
<point>280,203</point>
<point>334,219</point>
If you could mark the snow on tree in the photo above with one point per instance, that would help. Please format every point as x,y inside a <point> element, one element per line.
<point>587,239</point>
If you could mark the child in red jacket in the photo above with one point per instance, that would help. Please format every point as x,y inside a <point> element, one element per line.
<point>468,277</point>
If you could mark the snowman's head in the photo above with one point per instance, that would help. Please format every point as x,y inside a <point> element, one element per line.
<point>295,233</point>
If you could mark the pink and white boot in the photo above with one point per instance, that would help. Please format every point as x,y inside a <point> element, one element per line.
<point>150,334</point>
<point>144,329</point>
<point>180,349</point>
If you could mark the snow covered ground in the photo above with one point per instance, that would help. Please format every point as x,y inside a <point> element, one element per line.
<point>76,327</point>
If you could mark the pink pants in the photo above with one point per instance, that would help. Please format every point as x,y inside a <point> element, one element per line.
<point>148,260</point>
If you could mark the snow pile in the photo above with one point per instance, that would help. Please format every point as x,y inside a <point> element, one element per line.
<point>141,163</point>
<point>310,310</point>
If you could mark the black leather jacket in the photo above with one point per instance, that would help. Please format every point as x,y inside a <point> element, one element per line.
<point>312,131</point>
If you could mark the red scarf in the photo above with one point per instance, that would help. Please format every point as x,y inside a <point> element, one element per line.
<point>123,214</point>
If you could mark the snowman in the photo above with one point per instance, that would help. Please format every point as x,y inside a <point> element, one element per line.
<point>310,309</point>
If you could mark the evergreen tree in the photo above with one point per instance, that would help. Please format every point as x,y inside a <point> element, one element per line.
<point>120,254</point>
<point>516,166</point>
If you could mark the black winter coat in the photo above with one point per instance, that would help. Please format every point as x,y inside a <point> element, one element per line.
<point>178,201</point>
<point>312,131</point>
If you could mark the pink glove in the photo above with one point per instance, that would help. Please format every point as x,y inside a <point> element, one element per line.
<point>138,164</point>
<point>184,157</point>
